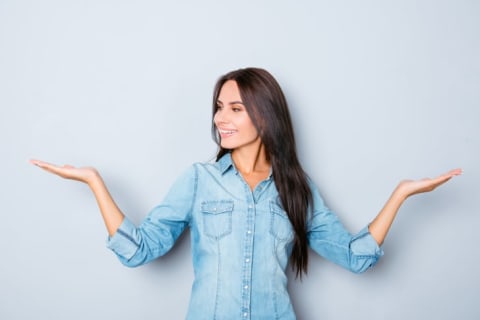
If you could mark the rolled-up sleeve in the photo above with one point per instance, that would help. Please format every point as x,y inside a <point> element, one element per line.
<point>328,237</point>
<point>124,242</point>
<point>157,234</point>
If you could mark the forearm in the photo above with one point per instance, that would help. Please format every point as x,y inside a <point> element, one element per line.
<point>380,226</point>
<point>112,215</point>
<point>382,223</point>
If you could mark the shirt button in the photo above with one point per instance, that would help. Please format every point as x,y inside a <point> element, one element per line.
<point>250,207</point>
<point>246,287</point>
<point>249,231</point>
<point>247,260</point>
<point>245,314</point>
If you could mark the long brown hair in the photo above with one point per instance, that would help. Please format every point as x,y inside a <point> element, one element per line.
<point>267,107</point>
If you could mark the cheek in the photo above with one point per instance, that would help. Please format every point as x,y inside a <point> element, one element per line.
<point>215,119</point>
<point>252,131</point>
<point>245,122</point>
<point>248,124</point>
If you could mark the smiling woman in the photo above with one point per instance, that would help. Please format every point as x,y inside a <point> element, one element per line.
<point>250,212</point>
<point>232,121</point>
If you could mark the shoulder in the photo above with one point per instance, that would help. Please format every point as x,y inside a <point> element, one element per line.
<point>204,166</point>
<point>219,166</point>
<point>196,169</point>
<point>316,195</point>
<point>311,184</point>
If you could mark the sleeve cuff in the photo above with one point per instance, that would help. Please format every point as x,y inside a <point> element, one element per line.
<point>124,242</point>
<point>363,244</point>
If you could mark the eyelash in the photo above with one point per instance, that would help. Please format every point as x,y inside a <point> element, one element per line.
<point>234,109</point>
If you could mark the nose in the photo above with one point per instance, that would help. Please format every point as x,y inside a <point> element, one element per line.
<point>220,117</point>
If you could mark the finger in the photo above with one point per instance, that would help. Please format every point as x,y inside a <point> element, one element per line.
<point>450,174</point>
<point>49,167</point>
<point>438,181</point>
<point>35,162</point>
<point>455,172</point>
<point>41,164</point>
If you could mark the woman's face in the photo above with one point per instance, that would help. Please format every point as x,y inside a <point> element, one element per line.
<point>233,123</point>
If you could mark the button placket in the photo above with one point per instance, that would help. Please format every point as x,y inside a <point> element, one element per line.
<point>247,261</point>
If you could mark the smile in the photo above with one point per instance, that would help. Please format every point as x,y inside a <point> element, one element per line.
<point>226,132</point>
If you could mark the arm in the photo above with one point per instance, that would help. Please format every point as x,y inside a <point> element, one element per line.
<point>383,221</point>
<point>328,237</point>
<point>111,214</point>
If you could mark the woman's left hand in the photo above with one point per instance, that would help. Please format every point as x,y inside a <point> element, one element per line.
<point>382,222</point>
<point>411,187</point>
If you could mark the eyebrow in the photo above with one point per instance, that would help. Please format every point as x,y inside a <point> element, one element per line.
<point>230,103</point>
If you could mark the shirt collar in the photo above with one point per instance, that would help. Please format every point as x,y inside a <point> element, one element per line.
<point>225,163</point>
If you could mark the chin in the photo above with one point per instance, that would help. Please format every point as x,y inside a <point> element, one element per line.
<point>227,146</point>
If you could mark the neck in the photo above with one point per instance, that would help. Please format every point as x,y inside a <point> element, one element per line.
<point>251,160</point>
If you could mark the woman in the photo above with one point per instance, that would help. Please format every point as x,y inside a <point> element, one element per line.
<point>249,213</point>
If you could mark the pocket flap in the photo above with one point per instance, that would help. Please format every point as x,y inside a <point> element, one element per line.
<point>216,207</point>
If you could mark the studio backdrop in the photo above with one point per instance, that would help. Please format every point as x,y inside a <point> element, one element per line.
<point>379,91</point>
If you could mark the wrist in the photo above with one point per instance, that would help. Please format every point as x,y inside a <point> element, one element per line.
<point>400,193</point>
<point>93,178</point>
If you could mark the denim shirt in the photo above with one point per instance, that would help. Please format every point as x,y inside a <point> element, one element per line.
<point>241,242</point>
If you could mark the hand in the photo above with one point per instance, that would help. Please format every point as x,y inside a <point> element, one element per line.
<point>382,222</point>
<point>411,187</point>
<point>85,174</point>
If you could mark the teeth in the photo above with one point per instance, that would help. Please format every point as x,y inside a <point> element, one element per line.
<point>226,131</point>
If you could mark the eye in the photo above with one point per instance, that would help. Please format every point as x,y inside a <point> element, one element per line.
<point>237,108</point>
<point>218,107</point>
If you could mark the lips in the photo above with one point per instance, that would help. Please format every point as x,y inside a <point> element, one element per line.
<point>226,132</point>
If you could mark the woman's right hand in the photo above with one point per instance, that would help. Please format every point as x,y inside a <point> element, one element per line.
<point>111,214</point>
<point>84,174</point>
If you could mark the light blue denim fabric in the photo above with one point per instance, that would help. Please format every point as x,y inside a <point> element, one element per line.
<point>241,242</point>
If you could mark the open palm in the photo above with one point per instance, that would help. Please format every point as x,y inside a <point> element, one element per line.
<point>83,174</point>
<point>411,187</point>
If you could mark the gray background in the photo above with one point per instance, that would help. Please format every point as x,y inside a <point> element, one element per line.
<point>379,91</point>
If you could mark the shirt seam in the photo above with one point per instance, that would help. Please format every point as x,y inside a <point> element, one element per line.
<point>128,237</point>
<point>194,197</point>
<point>348,249</point>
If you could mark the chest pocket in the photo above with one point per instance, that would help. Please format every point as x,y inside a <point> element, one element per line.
<point>217,218</point>
<point>280,226</point>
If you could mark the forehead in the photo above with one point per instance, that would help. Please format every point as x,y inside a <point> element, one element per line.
<point>229,92</point>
